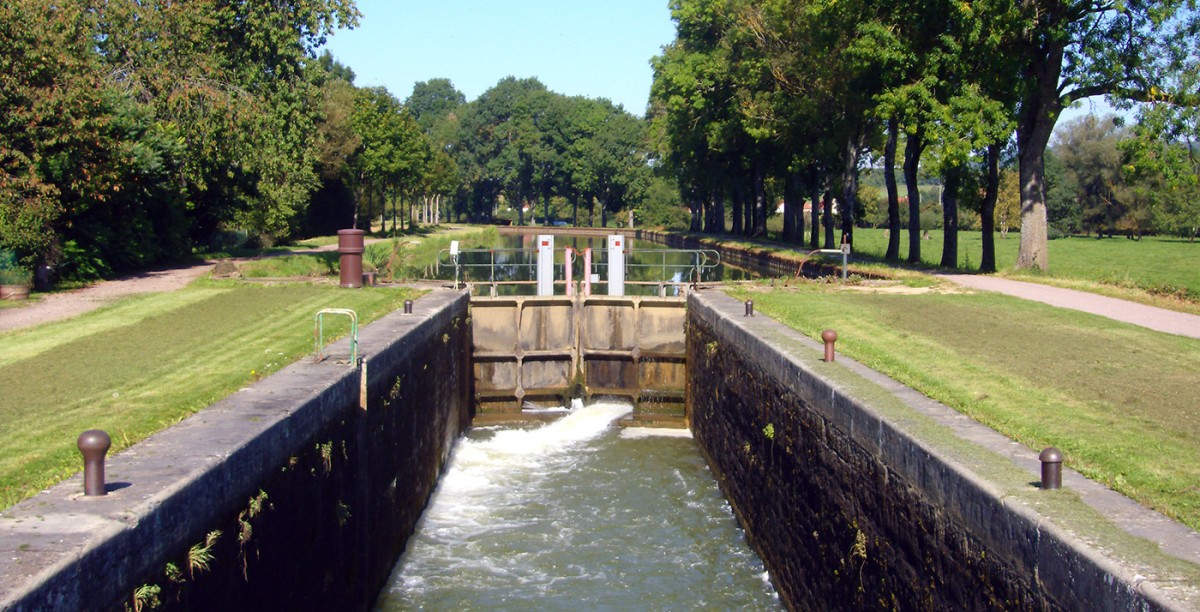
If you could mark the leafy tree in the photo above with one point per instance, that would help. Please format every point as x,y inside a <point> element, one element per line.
<point>1161,166</point>
<point>432,100</point>
<point>52,141</point>
<point>1069,50</point>
<point>1062,210</point>
<point>1088,149</point>
<point>392,159</point>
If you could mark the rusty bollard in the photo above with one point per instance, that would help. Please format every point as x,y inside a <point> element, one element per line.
<point>407,306</point>
<point>749,308</point>
<point>830,337</point>
<point>93,445</point>
<point>1052,459</point>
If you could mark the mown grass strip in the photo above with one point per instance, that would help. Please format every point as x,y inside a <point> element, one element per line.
<point>1119,400</point>
<point>173,355</point>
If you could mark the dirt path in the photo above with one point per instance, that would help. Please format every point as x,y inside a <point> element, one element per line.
<point>67,304</point>
<point>64,305</point>
<point>1158,319</point>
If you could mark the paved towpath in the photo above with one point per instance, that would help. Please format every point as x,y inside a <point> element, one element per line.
<point>1158,319</point>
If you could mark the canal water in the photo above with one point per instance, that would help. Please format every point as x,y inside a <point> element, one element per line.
<point>578,514</point>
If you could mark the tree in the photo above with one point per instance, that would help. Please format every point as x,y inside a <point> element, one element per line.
<point>1161,166</point>
<point>52,138</point>
<point>432,100</point>
<point>393,156</point>
<point>1062,209</point>
<point>1069,50</point>
<point>1091,158</point>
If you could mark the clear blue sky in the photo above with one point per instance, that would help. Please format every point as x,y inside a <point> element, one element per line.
<point>593,48</point>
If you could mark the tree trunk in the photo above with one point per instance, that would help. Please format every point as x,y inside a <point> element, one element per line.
<point>795,209</point>
<point>828,218</point>
<point>790,191</point>
<point>760,199</point>
<point>814,196</point>
<point>893,194</point>
<point>1040,111</point>
<point>850,189</point>
<point>952,177</point>
<point>987,209</point>
<point>604,209</point>
<point>739,201</point>
<point>912,160</point>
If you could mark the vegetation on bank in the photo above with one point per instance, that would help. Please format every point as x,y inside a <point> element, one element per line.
<point>1120,401</point>
<point>148,361</point>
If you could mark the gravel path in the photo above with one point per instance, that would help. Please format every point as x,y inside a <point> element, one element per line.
<point>64,305</point>
<point>1158,319</point>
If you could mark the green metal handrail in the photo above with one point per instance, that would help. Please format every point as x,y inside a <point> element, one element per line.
<point>319,332</point>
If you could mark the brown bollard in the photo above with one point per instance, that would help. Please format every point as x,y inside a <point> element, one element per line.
<point>93,445</point>
<point>749,308</point>
<point>830,337</point>
<point>1051,459</point>
<point>407,306</point>
<point>350,247</point>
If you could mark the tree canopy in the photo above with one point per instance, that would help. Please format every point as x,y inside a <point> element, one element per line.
<point>788,96</point>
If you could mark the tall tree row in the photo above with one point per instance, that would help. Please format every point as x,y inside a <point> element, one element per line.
<point>796,96</point>
<point>522,146</point>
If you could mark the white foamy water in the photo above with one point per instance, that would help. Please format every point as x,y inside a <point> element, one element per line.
<point>575,513</point>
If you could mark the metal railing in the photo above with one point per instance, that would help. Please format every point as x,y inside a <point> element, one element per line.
<point>504,266</point>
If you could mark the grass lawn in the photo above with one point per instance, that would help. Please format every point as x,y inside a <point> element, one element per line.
<point>1161,266</point>
<point>1120,401</point>
<point>146,362</point>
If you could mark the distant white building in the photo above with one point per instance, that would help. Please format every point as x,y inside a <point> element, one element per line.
<point>807,207</point>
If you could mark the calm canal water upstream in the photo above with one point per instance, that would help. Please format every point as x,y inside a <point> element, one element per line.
<point>578,514</point>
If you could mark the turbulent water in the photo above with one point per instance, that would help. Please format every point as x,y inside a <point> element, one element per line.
<point>578,514</point>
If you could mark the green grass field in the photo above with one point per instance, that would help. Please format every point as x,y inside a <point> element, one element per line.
<point>1166,266</point>
<point>146,362</point>
<point>1120,401</point>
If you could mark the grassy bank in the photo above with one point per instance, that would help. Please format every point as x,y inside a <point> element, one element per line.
<point>1119,400</point>
<point>146,362</point>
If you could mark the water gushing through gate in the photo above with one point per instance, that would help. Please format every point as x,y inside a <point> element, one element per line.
<point>576,513</point>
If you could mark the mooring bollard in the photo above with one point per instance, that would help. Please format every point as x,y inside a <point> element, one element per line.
<point>830,337</point>
<point>407,306</point>
<point>93,445</point>
<point>749,308</point>
<point>1052,459</point>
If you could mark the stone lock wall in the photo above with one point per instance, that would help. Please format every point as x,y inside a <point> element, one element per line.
<point>286,495</point>
<point>852,508</point>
